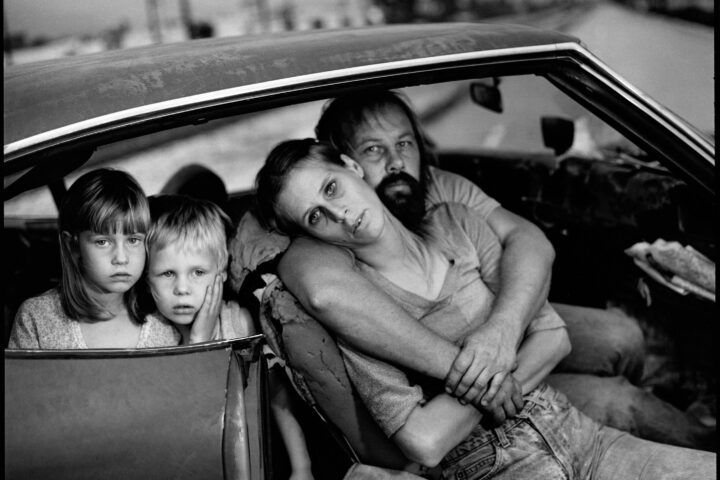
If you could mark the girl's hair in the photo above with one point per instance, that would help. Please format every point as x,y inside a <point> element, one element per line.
<point>196,223</point>
<point>271,178</point>
<point>102,201</point>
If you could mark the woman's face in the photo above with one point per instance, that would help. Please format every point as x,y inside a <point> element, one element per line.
<point>332,203</point>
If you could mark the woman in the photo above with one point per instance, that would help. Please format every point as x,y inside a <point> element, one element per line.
<point>445,278</point>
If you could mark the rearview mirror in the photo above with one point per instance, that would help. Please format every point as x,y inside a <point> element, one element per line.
<point>558,133</point>
<point>487,94</point>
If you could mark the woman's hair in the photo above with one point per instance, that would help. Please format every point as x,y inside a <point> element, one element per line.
<point>271,178</point>
<point>102,201</point>
<point>341,116</point>
<point>194,222</point>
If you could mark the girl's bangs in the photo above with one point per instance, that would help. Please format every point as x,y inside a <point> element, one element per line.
<point>128,218</point>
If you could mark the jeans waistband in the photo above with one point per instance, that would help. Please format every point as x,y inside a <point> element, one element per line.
<point>541,396</point>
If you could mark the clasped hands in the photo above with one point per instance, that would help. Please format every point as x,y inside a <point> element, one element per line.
<point>482,375</point>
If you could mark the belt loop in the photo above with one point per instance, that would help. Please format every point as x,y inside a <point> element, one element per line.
<point>538,399</point>
<point>501,437</point>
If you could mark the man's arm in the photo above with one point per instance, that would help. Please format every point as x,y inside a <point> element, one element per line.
<point>523,284</point>
<point>433,429</point>
<point>324,280</point>
<point>525,270</point>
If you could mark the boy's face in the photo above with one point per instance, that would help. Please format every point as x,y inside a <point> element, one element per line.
<point>179,278</point>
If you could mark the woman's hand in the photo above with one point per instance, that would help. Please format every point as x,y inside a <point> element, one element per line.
<point>506,403</point>
<point>206,319</point>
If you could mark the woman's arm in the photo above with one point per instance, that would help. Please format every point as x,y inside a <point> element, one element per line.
<point>433,429</point>
<point>539,353</point>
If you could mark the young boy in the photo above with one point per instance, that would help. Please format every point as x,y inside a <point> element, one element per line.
<point>187,262</point>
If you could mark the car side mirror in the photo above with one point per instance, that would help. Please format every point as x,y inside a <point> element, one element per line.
<point>487,94</point>
<point>558,133</point>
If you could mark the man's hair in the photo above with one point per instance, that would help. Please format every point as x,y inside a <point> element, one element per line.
<point>195,223</point>
<point>342,115</point>
<point>102,201</point>
<point>271,178</point>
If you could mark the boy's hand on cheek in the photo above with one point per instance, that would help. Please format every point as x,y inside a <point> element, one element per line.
<point>207,317</point>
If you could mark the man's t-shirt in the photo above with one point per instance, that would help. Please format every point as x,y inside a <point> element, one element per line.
<point>473,252</point>
<point>447,187</point>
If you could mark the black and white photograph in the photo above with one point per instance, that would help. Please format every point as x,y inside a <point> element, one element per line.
<point>360,239</point>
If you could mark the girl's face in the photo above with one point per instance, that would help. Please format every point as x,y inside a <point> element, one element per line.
<point>111,263</point>
<point>333,203</point>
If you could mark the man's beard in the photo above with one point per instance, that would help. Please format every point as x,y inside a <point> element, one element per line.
<point>408,207</point>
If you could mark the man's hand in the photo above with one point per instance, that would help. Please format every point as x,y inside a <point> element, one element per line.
<point>207,317</point>
<point>506,403</point>
<point>487,353</point>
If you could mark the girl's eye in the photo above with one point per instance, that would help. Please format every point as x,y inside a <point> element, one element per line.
<point>134,241</point>
<point>330,189</point>
<point>167,274</point>
<point>314,216</point>
<point>101,242</point>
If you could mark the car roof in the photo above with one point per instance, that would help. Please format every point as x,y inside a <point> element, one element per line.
<point>43,96</point>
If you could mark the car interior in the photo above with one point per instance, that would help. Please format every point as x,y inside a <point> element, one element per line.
<point>592,190</point>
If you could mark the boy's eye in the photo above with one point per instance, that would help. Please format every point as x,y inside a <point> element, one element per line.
<point>199,273</point>
<point>330,189</point>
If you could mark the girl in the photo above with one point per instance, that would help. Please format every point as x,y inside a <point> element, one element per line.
<point>102,225</point>
<point>445,279</point>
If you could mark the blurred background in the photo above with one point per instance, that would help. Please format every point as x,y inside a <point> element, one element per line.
<point>663,47</point>
<point>42,29</point>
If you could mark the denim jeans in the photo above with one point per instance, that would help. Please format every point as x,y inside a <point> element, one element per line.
<point>600,376</point>
<point>605,342</point>
<point>551,439</point>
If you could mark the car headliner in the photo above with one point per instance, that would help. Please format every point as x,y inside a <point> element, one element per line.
<point>48,95</point>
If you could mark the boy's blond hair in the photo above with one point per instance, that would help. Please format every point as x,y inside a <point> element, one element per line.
<point>195,223</point>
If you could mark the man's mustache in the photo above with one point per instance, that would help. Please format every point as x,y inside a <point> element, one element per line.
<point>396,178</point>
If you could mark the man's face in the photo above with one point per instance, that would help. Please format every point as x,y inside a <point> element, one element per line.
<point>384,144</point>
<point>178,279</point>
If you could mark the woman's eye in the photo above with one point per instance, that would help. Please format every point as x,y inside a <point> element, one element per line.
<point>405,144</point>
<point>314,217</point>
<point>330,189</point>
